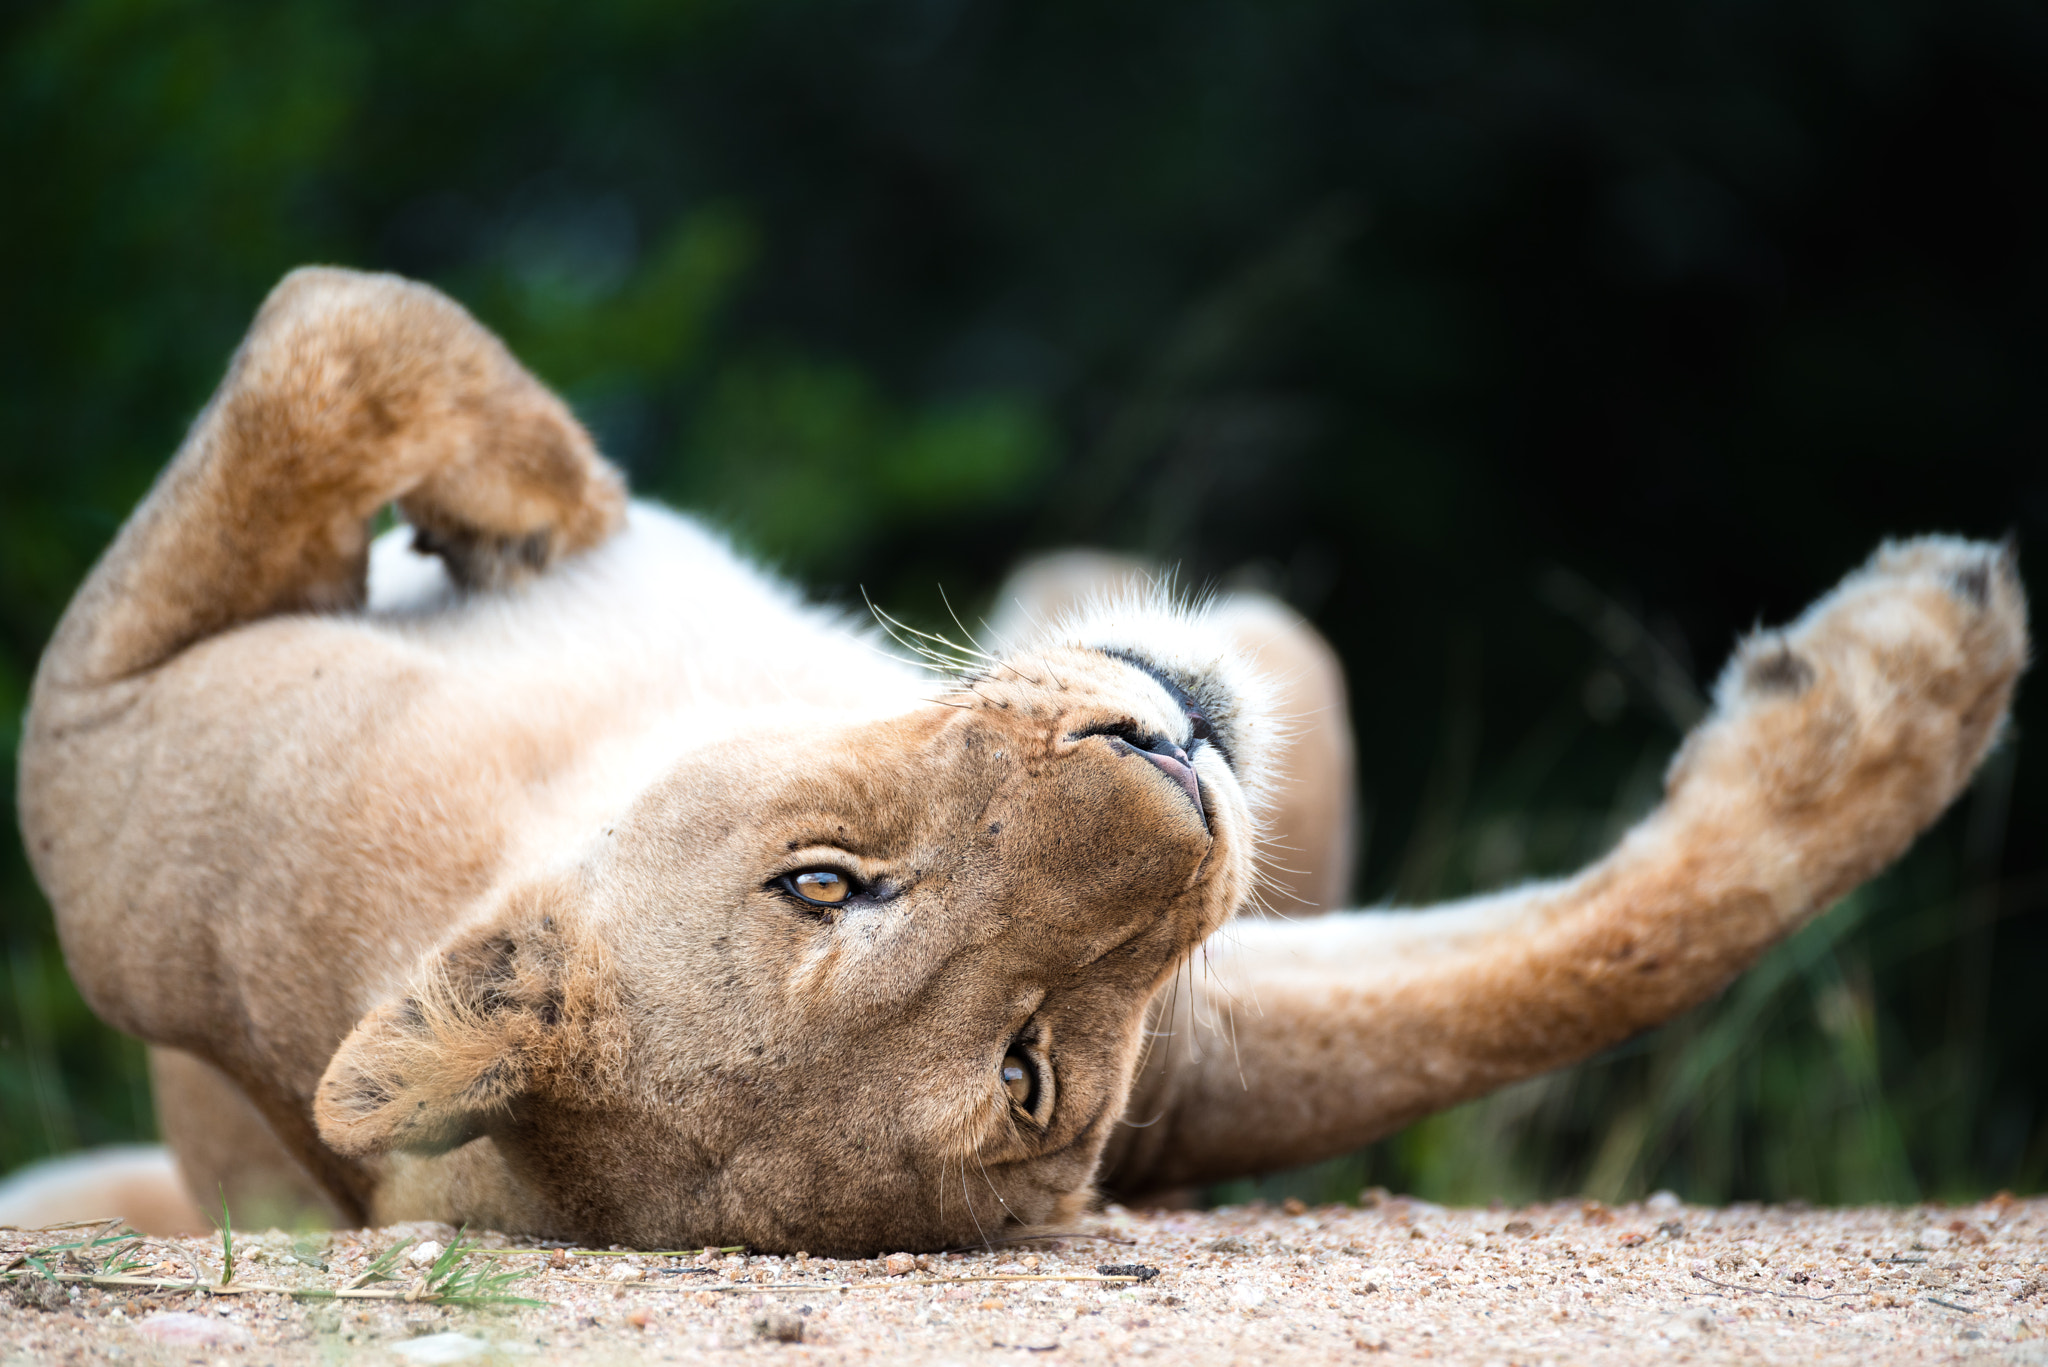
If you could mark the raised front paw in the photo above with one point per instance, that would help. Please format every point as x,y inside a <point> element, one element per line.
<point>355,389</point>
<point>1849,730</point>
<point>481,560</point>
<point>521,489</point>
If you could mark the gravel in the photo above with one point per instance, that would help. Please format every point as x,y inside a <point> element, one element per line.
<point>1559,1283</point>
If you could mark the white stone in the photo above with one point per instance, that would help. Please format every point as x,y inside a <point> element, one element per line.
<point>184,1327</point>
<point>434,1348</point>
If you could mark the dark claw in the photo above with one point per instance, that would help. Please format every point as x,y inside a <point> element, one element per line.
<point>1780,672</point>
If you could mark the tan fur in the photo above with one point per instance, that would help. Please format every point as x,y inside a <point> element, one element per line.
<point>471,889</point>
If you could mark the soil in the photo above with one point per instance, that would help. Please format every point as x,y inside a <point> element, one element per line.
<point>1399,1280</point>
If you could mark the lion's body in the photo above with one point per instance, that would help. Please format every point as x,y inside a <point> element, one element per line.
<point>416,757</point>
<point>469,872</point>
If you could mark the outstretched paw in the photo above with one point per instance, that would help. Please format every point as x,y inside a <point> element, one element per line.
<point>1852,728</point>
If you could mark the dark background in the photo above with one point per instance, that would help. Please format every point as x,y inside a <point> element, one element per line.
<point>1532,351</point>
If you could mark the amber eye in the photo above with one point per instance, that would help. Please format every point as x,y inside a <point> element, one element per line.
<point>1020,1080</point>
<point>828,887</point>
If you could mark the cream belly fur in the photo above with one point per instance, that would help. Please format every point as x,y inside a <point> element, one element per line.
<point>571,876</point>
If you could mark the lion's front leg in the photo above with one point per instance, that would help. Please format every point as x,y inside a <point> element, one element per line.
<point>349,392</point>
<point>1832,745</point>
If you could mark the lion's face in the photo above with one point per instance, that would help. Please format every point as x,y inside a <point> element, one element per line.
<point>845,988</point>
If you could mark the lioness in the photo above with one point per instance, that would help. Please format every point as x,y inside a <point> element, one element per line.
<point>564,874</point>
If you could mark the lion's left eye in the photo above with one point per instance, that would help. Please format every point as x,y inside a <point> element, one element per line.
<point>1017,1080</point>
<point>1024,1081</point>
<point>826,887</point>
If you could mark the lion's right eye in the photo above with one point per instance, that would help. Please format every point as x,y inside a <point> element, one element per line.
<point>826,887</point>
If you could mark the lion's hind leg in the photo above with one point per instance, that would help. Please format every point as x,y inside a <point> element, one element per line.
<point>351,391</point>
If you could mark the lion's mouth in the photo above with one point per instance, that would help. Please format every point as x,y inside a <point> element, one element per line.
<point>1172,761</point>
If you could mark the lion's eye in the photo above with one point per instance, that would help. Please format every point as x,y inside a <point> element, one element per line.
<point>1017,1079</point>
<point>828,887</point>
<point>1020,1080</point>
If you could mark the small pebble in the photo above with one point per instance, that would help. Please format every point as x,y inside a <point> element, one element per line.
<point>424,1255</point>
<point>779,1326</point>
<point>899,1264</point>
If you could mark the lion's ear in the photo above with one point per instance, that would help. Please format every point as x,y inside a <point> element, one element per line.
<point>504,1009</point>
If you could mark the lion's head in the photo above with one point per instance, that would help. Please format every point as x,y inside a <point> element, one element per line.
<point>841,986</point>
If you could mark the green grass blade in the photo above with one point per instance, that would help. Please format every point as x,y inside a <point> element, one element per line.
<point>381,1269</point>
<point>227,1240</point>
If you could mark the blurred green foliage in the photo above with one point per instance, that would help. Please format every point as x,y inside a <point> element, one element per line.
<point>1533,352</point>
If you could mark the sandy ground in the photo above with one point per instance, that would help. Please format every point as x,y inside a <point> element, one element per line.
<point>1402,1280</point>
